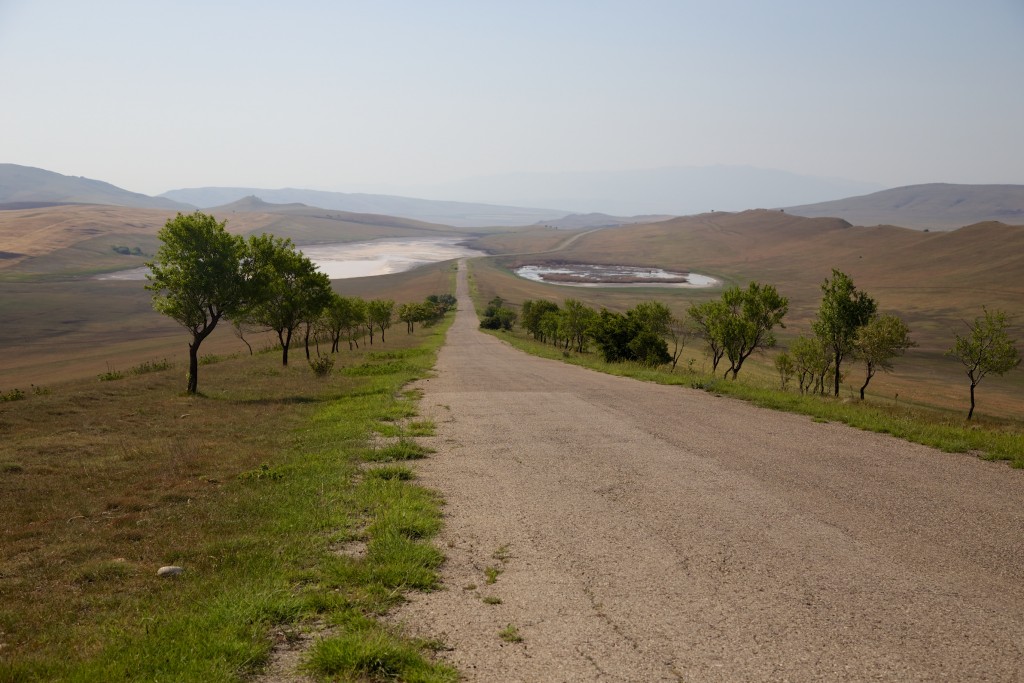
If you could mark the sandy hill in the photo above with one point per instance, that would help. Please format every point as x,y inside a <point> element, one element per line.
<point>936,206</point>
<point>25,186</point>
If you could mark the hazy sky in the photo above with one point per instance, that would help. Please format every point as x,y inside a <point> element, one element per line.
<point>378,95</point>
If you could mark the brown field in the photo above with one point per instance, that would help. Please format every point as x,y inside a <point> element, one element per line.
<point>935,281</point>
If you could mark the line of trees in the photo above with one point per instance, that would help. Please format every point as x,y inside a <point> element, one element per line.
<point>202,274</point>
<point>847,328</point>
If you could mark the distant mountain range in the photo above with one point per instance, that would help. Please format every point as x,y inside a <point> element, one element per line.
<point>936,206</point>
<point>25,185</point>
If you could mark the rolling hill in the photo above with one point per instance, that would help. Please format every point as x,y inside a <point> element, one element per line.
<point>458,214</point>
<point>26,186</point>
<point>80,239</point>
<point>936,206</point>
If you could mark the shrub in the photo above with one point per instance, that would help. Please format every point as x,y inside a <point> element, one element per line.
<point>322,365</point>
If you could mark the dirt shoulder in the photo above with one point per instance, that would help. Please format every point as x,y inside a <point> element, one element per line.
<point>645,532</point>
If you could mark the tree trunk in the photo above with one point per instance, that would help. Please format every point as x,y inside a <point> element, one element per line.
<point>867,379</point>
<point>838,360</point>
<point>285,337</point>
<point>193,366</point>
<point>971,411</point>
<point>307,341</point>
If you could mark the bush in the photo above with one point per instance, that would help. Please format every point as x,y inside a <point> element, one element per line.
<point>13,395</point>
<point>322,365</point>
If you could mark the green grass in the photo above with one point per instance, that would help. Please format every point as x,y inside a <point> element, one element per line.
<point>257,544</point>
<point>510,634</point>
<point>990,439</point>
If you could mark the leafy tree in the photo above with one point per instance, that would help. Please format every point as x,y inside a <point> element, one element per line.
<point>379,313</point>
<point>710,319</point>
<point>739,323</point>
<point>785,367</point>
<point>198,277</point>
<point>844,309</point>
<point>532,316</point>
<point>497,316</point>
<point>341,315</point>
<point>811,363</point>
<point>878,342</point>
<point>635,336</point>
<point>679,332</point>
<point>410,314</point>
<point>987,348</point>
<point>295,292</point>
<point>752,314</point>
<point>576,321</point>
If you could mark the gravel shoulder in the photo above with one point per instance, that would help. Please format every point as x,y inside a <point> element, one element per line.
<point>654,533</point>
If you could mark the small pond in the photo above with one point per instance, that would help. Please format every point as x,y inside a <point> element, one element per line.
<point>583,275</point>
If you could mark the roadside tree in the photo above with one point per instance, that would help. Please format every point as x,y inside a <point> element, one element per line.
<point>986,349</point>
<point>295,291</point>
<point>709,319</point>
<point>198,277</point>
<point>752,314</point>
<point>811,363</point>
<point>878,342</point>
<point>844,309</point>
<point>380,312</point>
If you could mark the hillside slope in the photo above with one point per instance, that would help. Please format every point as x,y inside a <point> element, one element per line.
<point>79,239</point>
<point>20,185</point>
<point>936,206</point>
<point>459,214</point>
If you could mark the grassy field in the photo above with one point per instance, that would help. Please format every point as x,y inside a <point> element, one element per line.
<point>261,489</point>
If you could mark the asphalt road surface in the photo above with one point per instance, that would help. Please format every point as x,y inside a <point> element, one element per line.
<point>651,533</point>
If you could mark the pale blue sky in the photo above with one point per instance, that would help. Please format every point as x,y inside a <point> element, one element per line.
<point>381,95</point>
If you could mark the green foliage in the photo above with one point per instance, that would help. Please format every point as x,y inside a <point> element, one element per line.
<point>497,316</point>
<point>12,395</point>
<point>379,313</point>
<point>291,290</point>
<point>199,276</point>
<point>264,471</point>
<point>785,367</point>
<point>811,362</point>
<point>510,634</point>
<point>403,450</point>
<point>533,312</point>
<point>844,309</point>
<point>878,342</point>
<point>371,653</point>
<point>740,323</point>
<point>986,349</point>
<point>710,319</point>
<point>321,365</point>
<point>635,336</point>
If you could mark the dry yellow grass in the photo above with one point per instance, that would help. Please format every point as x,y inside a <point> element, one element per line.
<point>935,281</point>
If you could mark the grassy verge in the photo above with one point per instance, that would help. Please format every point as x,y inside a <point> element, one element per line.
<point>989,439</point>
<point>258,489</point>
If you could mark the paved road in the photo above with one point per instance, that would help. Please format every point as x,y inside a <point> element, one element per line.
<point>656,533</point>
